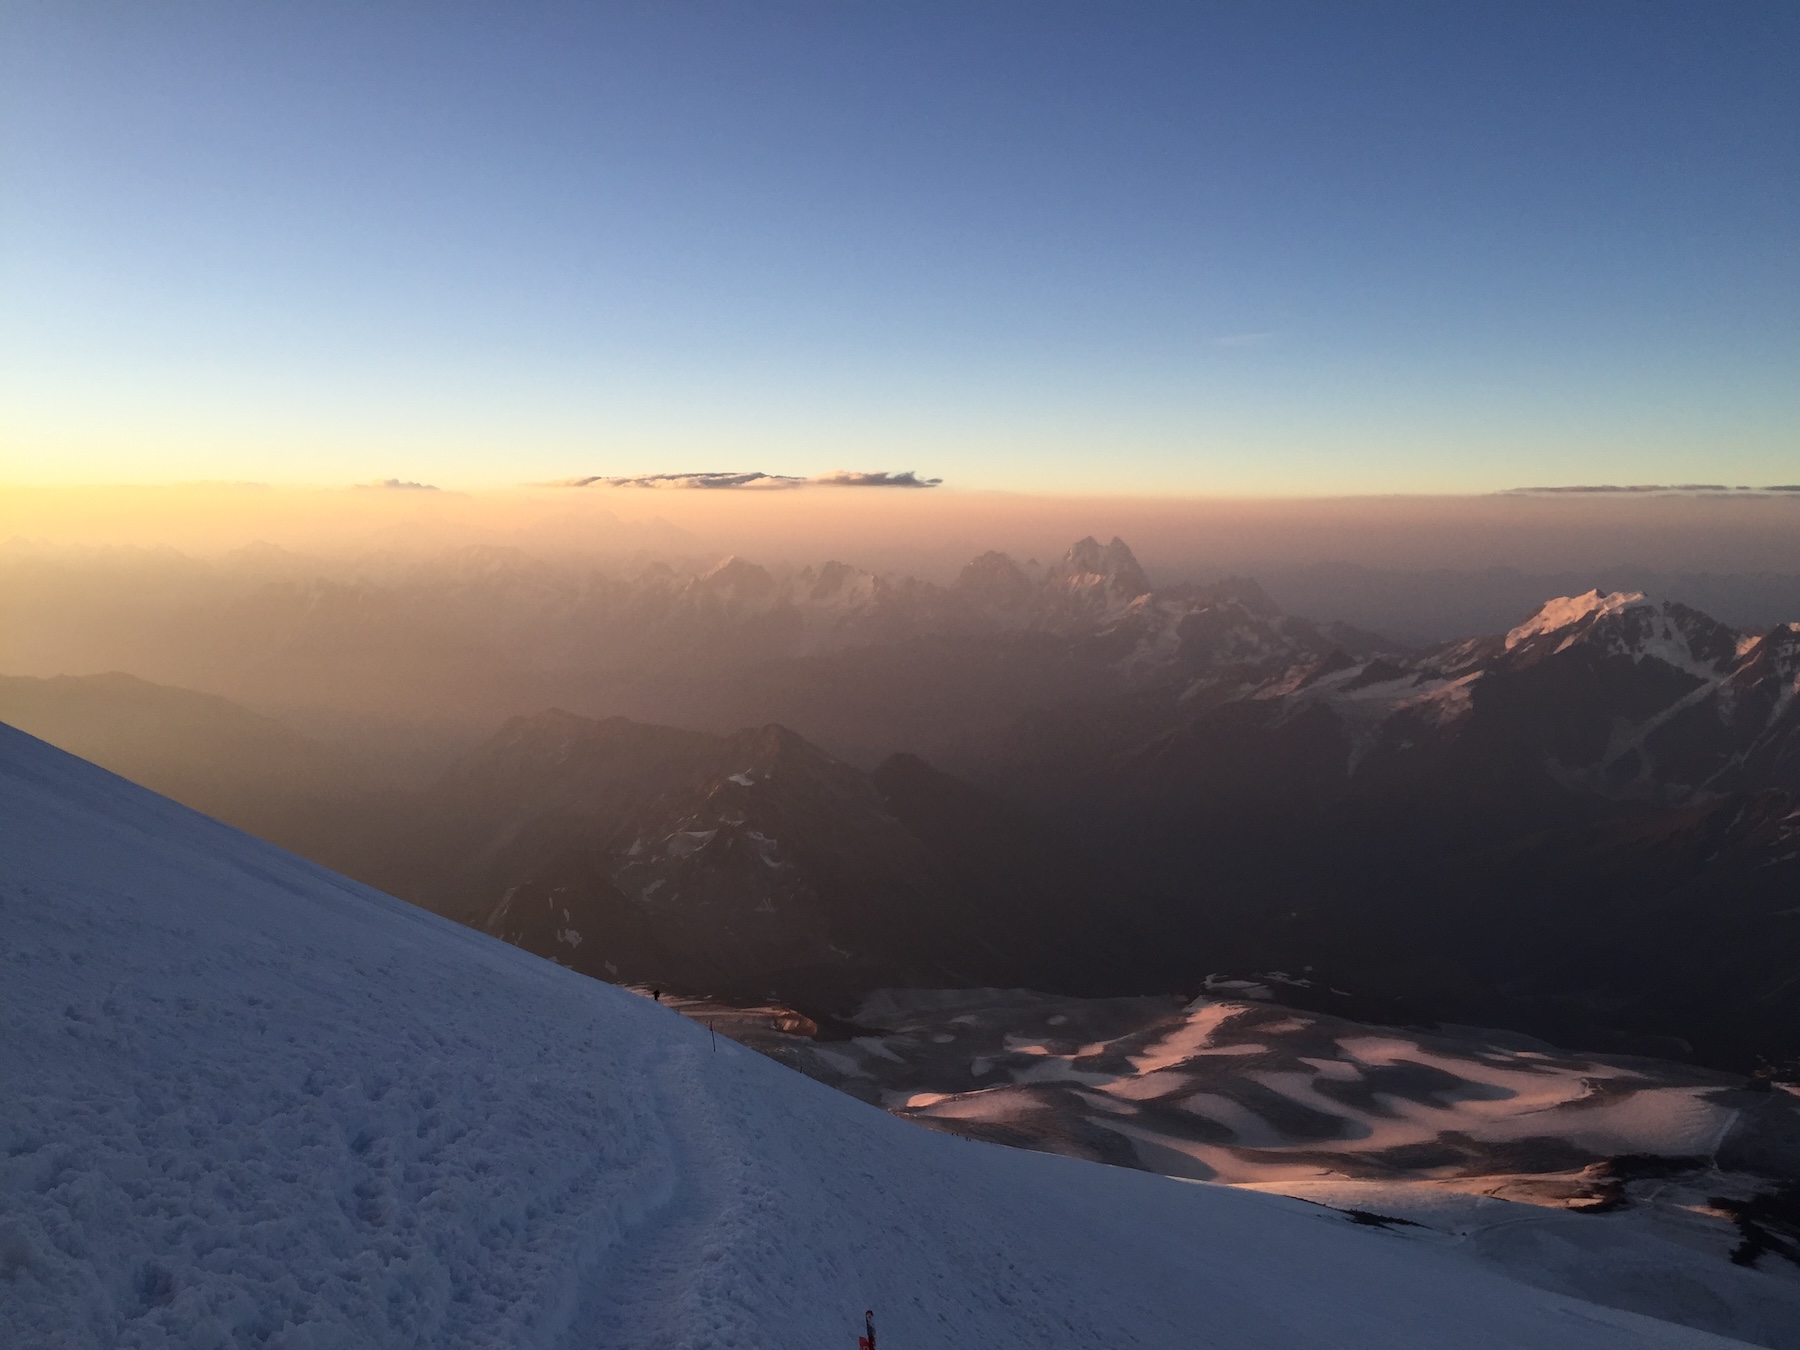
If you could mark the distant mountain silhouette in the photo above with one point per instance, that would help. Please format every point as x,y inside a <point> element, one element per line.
<point>1059,776</point>
<point>756,864</point>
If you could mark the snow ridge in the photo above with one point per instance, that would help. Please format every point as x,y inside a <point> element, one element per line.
<point>1569,610</point>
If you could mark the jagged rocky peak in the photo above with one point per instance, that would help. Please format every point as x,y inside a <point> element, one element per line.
<point>1708,641</point>
<point>994,578</point>
<point>829,579</point>
<point>1775,654</point>
<point>1246,592</point>
<point>1090,565</point>
<point>837,586</point>
<point>1626,623</point>
<point>736,578</point>
<point>772,742</point>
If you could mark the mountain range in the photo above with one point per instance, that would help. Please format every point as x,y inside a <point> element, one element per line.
<point>755,865</point>
<point>1586,827</point>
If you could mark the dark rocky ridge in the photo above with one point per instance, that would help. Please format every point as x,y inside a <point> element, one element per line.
<point>756,865</point>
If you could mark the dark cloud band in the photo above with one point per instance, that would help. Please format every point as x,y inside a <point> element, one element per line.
<point>1665,489</point>
<point>763,482</point>
<point>849,478</point>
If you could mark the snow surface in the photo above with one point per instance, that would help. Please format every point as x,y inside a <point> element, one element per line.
<point>1568,610</point>
<point>1660,1254</point>
<point>1271,1118</point>
<point>248,1102</point>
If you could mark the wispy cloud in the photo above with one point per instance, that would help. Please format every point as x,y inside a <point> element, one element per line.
<point>755,481</point>
<point>853,478</point>
<point>1690,489</point>
<point>711,479</point>
<point>397,485</point>
<point>1245,340</point>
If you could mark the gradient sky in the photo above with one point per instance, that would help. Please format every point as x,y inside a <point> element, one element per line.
<point>1233,248</point>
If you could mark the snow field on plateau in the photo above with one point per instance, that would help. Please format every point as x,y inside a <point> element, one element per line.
<point>247,1102</point>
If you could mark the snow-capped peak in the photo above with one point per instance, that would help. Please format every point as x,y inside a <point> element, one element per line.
<point>1568,610</point>
<point>1090,565</point>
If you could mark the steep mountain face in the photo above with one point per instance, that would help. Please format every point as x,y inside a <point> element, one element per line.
<point>1467,830</point>
<point>756,864</point>
<point>1609,697</point>
<point>761,855</point>
<point>1614,695</point>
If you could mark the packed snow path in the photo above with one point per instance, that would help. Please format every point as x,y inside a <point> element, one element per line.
<point>247,1102</point>
<point>642,1296</point>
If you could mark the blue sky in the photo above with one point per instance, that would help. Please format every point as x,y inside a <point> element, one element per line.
<point>1272,248</point>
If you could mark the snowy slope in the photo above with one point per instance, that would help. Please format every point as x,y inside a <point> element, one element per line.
<point>248,1102</point>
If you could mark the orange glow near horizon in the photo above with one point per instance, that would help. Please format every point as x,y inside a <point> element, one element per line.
<point>928,531</point>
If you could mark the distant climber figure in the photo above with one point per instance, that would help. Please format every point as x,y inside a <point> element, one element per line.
<point>867,1342</point>
<point>656,994</point>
